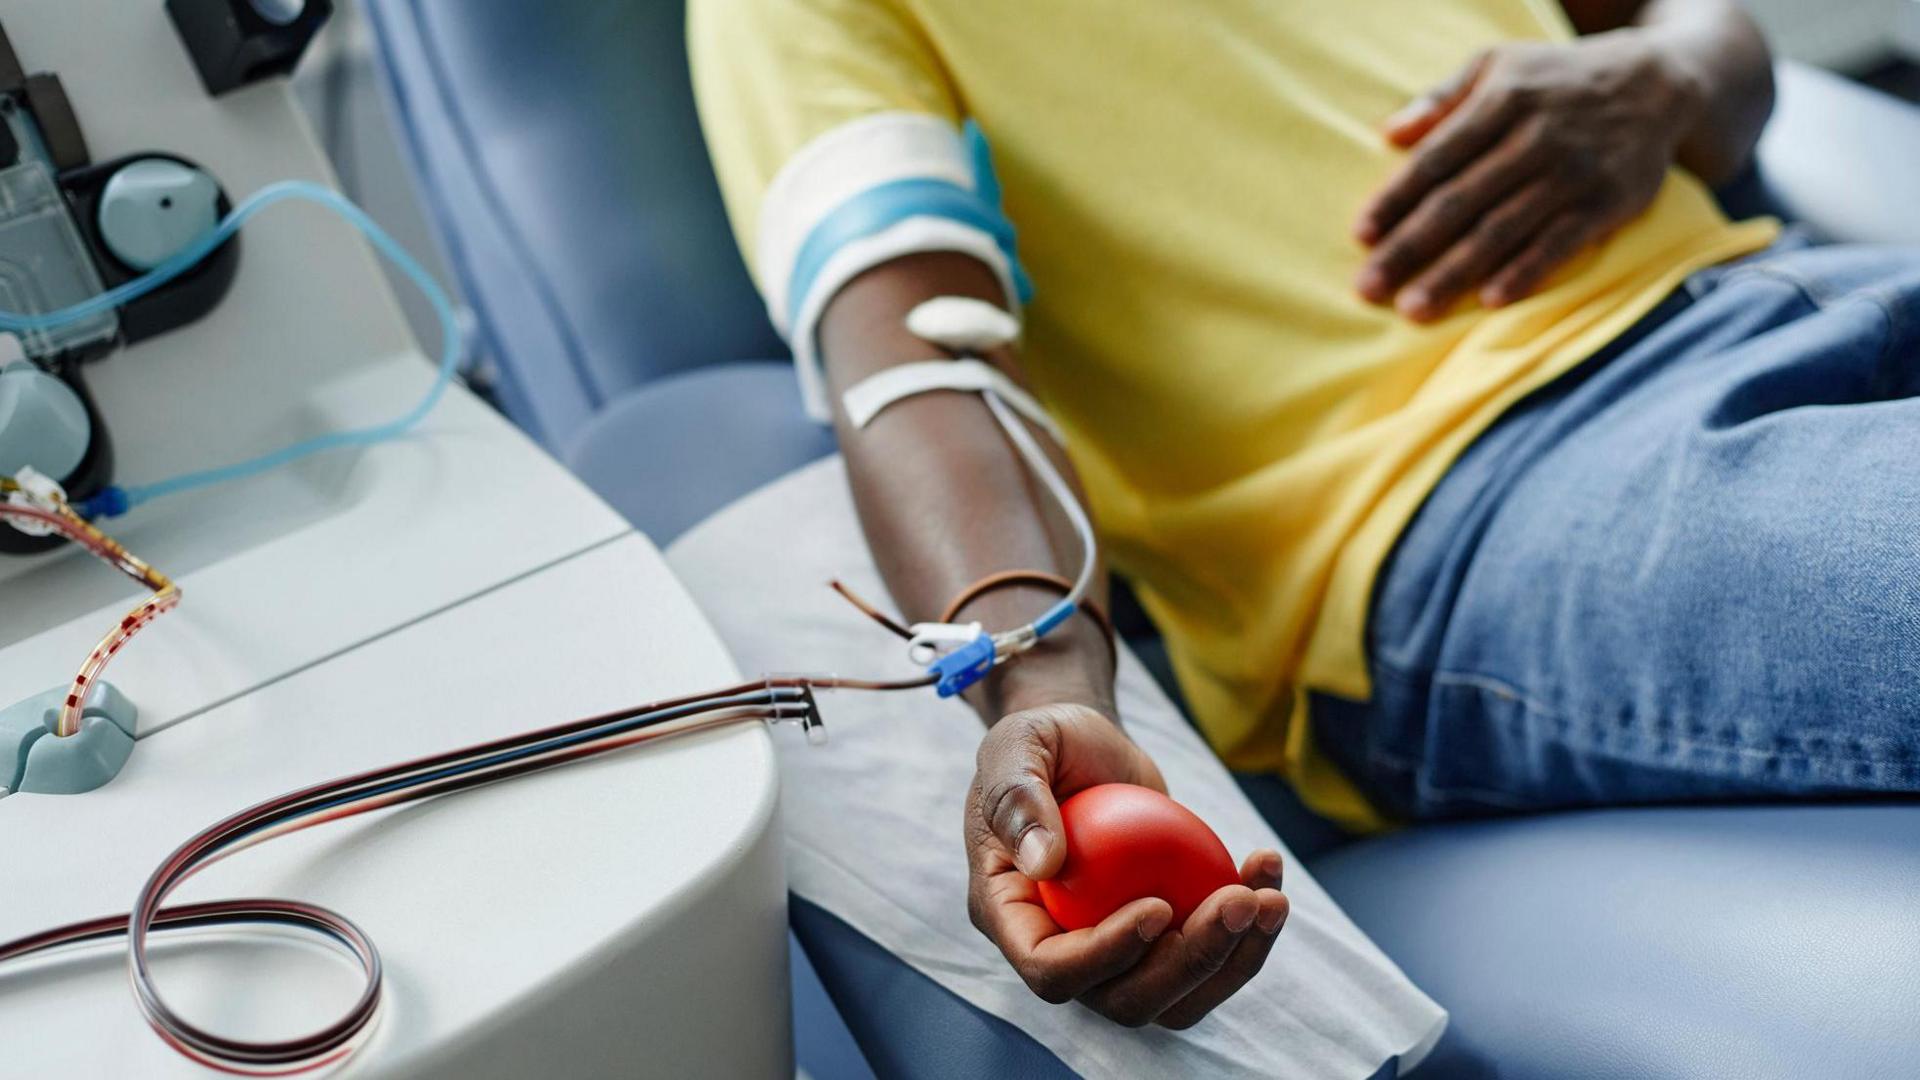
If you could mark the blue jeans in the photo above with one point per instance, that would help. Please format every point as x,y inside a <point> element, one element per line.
<point>1688,570</point>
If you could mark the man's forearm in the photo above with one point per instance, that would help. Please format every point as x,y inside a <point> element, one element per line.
<point>1715,48</point>
<point>944,499</point>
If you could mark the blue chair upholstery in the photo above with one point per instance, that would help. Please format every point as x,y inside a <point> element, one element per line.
<point>559,154</point>
<point>1775,941</point>
<point>907,1024</point>
<point>557,147</point>
<point>724,430</point>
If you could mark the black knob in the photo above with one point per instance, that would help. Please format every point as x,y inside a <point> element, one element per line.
<point>236,42</point>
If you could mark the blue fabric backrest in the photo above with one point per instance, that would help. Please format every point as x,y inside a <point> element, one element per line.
<point>558,151</point>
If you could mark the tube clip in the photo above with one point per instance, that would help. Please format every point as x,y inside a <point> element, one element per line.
<point>796,705</point>
<point>38,492</point>
<point>34,759</point>
<point>964,666</point>
<point>932,640</point>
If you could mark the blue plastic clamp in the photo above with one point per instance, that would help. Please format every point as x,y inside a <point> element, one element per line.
<point>964,666</point>
<point>34,759</point>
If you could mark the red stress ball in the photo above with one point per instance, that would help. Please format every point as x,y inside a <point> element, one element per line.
<point>1125,842</point>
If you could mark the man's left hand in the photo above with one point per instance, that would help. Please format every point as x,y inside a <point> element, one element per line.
<point>1530,153</point>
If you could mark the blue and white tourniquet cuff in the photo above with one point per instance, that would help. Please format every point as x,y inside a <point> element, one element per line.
<point>870,190</point>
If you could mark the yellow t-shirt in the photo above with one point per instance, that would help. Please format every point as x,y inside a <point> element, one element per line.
<point>1252,435</point>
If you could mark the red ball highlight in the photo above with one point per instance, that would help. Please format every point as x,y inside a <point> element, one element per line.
<point>1125,842</point>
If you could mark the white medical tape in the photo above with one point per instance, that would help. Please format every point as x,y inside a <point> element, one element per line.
<point>871,395</point>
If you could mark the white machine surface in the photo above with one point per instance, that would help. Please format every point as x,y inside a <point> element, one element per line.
<point>360,608</point>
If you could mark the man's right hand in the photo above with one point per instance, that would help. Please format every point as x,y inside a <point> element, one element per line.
<point>1132,968</point>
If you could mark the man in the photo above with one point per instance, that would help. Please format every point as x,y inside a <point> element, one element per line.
<point>1468,458</point>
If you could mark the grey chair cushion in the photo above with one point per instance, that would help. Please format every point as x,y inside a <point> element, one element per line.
<point>1841,159</point>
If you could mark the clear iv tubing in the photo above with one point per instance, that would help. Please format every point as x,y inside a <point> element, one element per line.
<point>1042,466</point>
<point>187,259</point>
